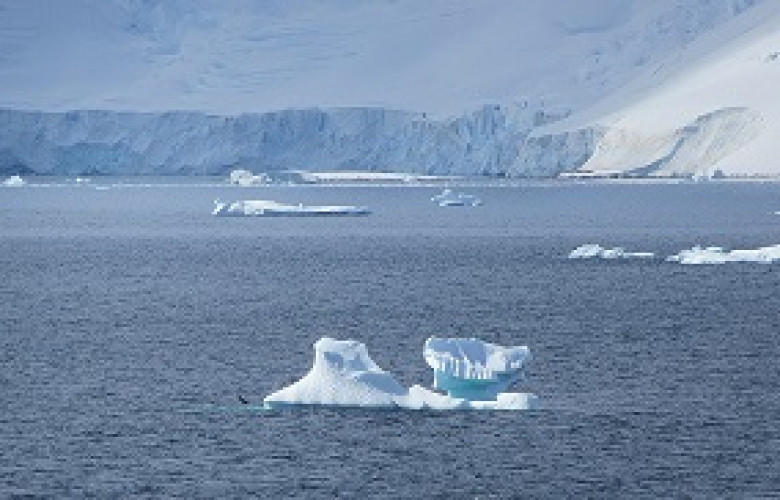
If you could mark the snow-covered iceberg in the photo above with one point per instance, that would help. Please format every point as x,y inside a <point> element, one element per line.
<point>243,177</point>
<point>270,208</point>
<point>14,181</point>
<point>719,255</point>
<point>344,374</point>
<point>449,198</point>
<point>591,251</point>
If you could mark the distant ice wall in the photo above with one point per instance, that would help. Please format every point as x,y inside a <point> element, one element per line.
<point>490,140</point>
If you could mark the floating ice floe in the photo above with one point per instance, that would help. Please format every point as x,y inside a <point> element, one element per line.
<point>449,198</point>
<point>473,372</point>
<point>592,251</point>
<point>719,255</point>
<point>246,178</point>
<point>268,208</point>
<point>14,181</point>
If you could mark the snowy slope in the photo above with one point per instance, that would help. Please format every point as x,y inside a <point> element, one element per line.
<point>198,85</point>
<point>714,106</point>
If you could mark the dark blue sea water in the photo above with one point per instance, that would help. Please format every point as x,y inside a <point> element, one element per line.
<point>131,320</point>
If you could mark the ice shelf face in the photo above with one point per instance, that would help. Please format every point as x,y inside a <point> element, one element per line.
<point>344,374</point>
<point>472,369</point>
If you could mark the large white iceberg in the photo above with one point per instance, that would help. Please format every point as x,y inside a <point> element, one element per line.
<point>270,208</point>
<point>344,374</point>
<point>591,251</point>
<point>719,255</point>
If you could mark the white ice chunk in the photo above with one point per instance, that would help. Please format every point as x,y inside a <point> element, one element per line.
<point>449,198</point>
<point>14,181</point>
<point>473,369</point>
<point>344,374</point>
<point>591,251</point>
<point>509,401</point>
<point>270,208</point>
<point>719,255</point>
<point>246,178</point>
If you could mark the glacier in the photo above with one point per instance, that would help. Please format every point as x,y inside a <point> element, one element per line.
<point>344,375</point>
<point>523,89</point>
<point>487,141</point>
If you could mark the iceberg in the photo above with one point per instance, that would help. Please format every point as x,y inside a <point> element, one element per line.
<point>243,177</point>
<point>449,198</point>
<point>269,208</point>
<point>14,181</point>
<point>472,369</point>
<point>591,251</point>
<point>719,255</point>
<point>473,372</point>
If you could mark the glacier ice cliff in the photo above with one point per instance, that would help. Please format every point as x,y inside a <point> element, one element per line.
<point>491,140</point>
<point>456,87</point>
<point>343,374</point>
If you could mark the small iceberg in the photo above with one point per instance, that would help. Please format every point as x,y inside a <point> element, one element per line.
<point>591,251</point>
<point>14,181</point>
<point>472,369</point>
<point>268,208</point>
<point>474,373</point>
<point>719,255</point>
<point>449,198</point>
<point>244,177</point>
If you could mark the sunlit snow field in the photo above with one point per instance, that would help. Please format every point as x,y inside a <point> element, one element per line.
<point>131,319</point>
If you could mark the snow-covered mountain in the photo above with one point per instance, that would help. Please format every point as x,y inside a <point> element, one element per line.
<point>711,106</point>
<point>526,87</point>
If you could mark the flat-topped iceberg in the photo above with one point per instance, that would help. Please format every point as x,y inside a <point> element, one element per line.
<point>719,255</point>
<point>344,374</point>
<point>592,251</point>
<point>243,177</point>
<point>269,208</point>
<point>449,198</point>
<point>695,255</point>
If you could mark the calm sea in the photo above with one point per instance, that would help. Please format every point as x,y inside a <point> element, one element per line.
<point>131,320</point>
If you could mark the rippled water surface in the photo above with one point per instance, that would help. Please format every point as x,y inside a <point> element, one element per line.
<point>131,320</point>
